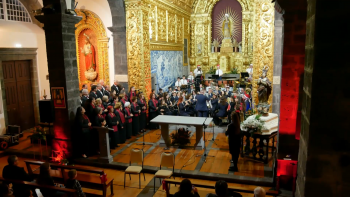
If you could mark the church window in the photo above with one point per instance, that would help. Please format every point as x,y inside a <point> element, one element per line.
<point>13,10</point>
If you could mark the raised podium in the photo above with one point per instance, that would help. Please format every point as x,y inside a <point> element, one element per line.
<point>105,156</point>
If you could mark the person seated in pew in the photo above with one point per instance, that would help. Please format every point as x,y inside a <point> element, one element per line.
<point>45,178</point>
<point>14,172</point>
<point>186,189</point>
<point>259,192</point>
<point>73,183</point>
<point>6,190</point>
<point>221,190</point>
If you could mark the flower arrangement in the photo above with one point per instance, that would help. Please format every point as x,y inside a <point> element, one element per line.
<point>253,124</point>
<point>212,71</point>
<point>38,134</point>
<point>234,71</point>
<point>181,137</point>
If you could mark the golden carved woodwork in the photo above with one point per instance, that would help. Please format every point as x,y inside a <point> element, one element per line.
<point>93,22</point>
<point>263,43</point>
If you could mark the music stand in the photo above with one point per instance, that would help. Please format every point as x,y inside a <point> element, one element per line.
<point>198,82</point>
<point>214,78</point>
<point>244,75</point>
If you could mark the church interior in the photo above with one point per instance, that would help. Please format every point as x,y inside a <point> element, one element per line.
<point>162,97</point>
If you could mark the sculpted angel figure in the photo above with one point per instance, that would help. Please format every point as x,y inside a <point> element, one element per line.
<point>264,86</point>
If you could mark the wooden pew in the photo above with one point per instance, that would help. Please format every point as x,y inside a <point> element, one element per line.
<point>33,186</point>
<point>88,177</point>
<point>209,186</point>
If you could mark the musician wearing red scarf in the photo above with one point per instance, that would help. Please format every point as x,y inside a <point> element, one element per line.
<point>128,120</point>
<point>132,93</point>
<point>143,106</point>
<point>112,122</point>
<point>121,127</point>
<point>83,125</point>
<point>153,110</point>
<point>135,110</point>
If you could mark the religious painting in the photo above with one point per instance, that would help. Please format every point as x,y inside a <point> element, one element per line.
<point>57,95</point>
<point>227,21</point>
<point>91,49</point>
<point>168,66</point>
<point>88,58</point>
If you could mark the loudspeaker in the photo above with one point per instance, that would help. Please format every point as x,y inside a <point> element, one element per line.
<point>46,111</point>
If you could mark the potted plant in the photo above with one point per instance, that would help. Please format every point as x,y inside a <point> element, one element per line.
<point>234,71</point>
<point>40,134</point>
<point>253,124</point>
<point>181,137</point>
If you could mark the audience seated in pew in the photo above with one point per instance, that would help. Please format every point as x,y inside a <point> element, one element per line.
<point>6,190</point>
<point>259,192</point>
<point>73,183</point>
<point>14,172</point>
<point>186,189</point>
<point>221,190</point>
<point>45,178</point>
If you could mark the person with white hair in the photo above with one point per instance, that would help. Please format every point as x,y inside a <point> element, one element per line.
<point>99,92</point>
<point>84,97</point>
<point>259,192</point>
<point>128,120</point>
<point>116,87</point>
<point>102,85</point>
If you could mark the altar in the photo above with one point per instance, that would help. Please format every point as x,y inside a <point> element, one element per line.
<point>200,123</point>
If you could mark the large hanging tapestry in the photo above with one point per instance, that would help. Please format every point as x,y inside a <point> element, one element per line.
<point>168,67</point>
<point>92,49</point>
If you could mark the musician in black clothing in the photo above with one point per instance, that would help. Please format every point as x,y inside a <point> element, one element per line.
<point>121,127</point>
<point>128,120</point>
<point>112,122</point>
<point>116,87</point>
<point>99,120</point>
<point>164,109</point>
<point>105,101</point>
<point>132,93</point>
<point>135,110</point>
<point>84,96</point>
<point>107,92</point>
<point>190,108</point>
<point>83,126</point>
<point>231,107</point>
<point>143,106</point>
<point>93,92</point>
<point>153,110</point>
<point>160,93</point>
<point>234,139</point>
<point>174,98</point>
<point>99,91</point>
<point>89,107</point>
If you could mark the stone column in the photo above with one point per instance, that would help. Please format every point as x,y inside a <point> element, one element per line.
<point>119,41</point>
<point>324,158</point>
<point>62,64</point>
<point>278,60</point>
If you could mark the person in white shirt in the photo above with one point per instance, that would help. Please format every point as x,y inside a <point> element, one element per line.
<point>198,71</point>
<point>219,72</point>
<point>183,80</point>
<point>250,72</point>
<point>178,82</point>
<point>190,77</point>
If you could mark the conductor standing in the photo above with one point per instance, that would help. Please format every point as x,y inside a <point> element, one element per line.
<point>201,106</point>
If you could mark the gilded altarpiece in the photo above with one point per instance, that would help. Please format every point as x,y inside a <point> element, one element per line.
<point>91,48</point>
<point>153,25</point>
<point>257,39</point>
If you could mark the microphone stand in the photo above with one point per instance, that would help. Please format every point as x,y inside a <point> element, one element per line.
<point>205,149</point>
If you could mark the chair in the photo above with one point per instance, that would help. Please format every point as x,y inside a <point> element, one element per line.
<point>136,156</point>
<point>167,160</point>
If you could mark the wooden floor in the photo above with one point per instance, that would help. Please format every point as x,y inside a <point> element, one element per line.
<point>132,189</point>
<point>217,161</point>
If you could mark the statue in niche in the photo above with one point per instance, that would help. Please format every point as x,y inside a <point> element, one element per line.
<point>264,92</point>
<point>226,27</point>
<point>199,47</point>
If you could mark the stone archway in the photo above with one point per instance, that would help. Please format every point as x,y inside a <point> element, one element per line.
<point>119,40</point>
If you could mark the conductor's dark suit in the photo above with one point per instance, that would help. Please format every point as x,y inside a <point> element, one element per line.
<point>201,105</point>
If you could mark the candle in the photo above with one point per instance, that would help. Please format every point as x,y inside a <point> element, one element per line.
<point>44,92</point>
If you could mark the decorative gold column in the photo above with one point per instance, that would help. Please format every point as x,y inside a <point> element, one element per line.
<point>138,45</point>
<point>263,43</point>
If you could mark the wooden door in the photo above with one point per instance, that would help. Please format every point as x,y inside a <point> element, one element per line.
<point>19,96</point>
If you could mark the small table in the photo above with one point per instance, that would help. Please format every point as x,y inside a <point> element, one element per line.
<point>263,148</point>
<point>198,122</point>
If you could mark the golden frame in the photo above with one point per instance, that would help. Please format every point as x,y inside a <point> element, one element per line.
<point>92,21</point>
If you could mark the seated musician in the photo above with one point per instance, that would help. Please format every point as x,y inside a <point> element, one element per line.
<point>228,92</point>
<point>178,82</point>
<point>190,109</point>
<point>178,89</point>
<point>174,98</point>
<point>217,90</point>
<point>222,94</point>
<point>183,80</point>
<point>190,77</point>
<point>210,93</point>
<point>191,89</point>
<point>182,107</point>
<point>222,111</point>
<point>214,104</point>
<point>201,87</point>
<point>164,109</point>
<point>179,94</point>
<point>160,93</point>
<point>170,90</point>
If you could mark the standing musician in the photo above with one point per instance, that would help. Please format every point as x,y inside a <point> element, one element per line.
<point>197,71</point>
<point>132,93</point>
<point>112,122</point>
<point>153,110</point>
<point>143,106</point>
<point>128,120</point>
<point>121,127</point>
<point>219,72</point>
<point>116,87</point>
<point>107,91</point>
<point>99,91</point>
<point>190,77</point>
<point>135,110</point>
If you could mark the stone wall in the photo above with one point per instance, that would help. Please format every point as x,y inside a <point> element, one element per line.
<point>324,159</point>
